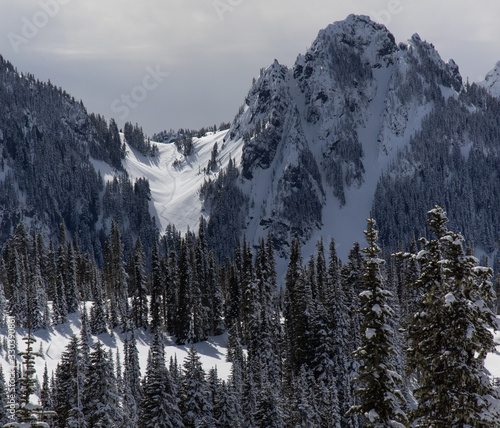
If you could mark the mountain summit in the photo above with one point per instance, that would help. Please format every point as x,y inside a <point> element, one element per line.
<point>338,134</point>
<point>492,81</point>
<point>360,123</point>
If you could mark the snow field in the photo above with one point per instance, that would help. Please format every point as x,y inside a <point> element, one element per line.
<point>53,342</point>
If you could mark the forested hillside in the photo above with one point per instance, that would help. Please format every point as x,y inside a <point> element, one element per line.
<point>303,353</point>
<point>49,145</point>
<point>327,325</point>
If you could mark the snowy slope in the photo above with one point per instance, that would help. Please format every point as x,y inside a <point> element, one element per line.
<point>345,110</point>
<point>492,81</point>
<point>175,179</point>
<point>53,341</point>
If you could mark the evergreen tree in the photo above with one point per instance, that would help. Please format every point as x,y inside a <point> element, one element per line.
<point>62,308</point>
<point>199,310</point>
<point>268,412</point>
<point>302,320</point>
<point>51,273</point>
<point>119,373</point>
<point>46,393</point>
<point>290,311</point>
<point>302,408</point>
<point>115,277</point>
<point>38,316</point>
<point>183,311</point>
<point>250,297</point>
<point>379,394</point>
<point>201,287</point>
<point>60,311</point>
<point>328,406</point>
<point>194,403</point>
<point>157,287</point>
<point>102,404</point>
<point>170,293</point>
<point>18,299</point>
<point>224,408</point>
<point>71,281</point>
<point>235,390</point>
<point>69,387</point>
<point>159,406</point>
<point>85,335</point>
<point>450,334</point>
<point>351,274</point>
<point>28,413</point>
<point>139,289</point>
<point>3,402</point>
<point>248,400</point>
<point>232,293</point>
<point>132,389</point>
<point>97,312</point>
<point>215,298</point>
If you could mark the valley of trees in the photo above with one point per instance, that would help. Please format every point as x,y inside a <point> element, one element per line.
<point>378,341</point>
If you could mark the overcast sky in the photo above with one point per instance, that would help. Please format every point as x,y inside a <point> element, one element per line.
<point>189,63</point>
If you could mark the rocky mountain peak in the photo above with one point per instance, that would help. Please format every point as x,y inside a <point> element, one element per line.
<point>492,81</point>
<point>372,41</point>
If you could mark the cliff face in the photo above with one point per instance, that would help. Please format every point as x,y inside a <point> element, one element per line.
<point>328,140</point>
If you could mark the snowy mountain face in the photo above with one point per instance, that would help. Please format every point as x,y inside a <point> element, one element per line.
<point>492,81</point>
<point>360,123</point>
<point>319,138</point>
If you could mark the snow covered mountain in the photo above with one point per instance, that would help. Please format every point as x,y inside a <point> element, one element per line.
<point>50,149</point>
<point>333,137</point>
<point>358,123</point>
<point>492,81</point>
<point>175,179</point>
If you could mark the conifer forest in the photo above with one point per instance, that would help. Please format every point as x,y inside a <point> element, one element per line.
<point>380,340</point>
<point>328,259</point>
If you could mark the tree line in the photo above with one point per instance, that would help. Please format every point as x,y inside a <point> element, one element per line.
<point>376,341</point>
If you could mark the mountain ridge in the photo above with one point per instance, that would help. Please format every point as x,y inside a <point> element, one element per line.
<point>348,109</point>
<point>315,148</point>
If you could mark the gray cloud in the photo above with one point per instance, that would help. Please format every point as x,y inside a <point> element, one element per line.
<point>99,51</point>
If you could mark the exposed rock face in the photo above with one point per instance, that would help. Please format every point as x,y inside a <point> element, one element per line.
<point>321,135</point>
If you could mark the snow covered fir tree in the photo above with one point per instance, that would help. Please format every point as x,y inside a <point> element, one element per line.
<point>261,272</point>
<point>331,349</point>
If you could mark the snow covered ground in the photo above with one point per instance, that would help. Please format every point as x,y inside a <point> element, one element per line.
<point>175,179</point>
<point>493,359</point>
<point>53,342</point>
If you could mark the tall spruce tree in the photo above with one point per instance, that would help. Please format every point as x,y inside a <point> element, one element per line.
<point>159,407</point>
<point>46,392</point>
<point>28,413</point>
<point>450,334</point>
<point>195,403</point>
<point>183,310</point>
<point>69,387</point>
<point>132,388</point>
<point>98,322</point>
<point>157,287</point>
<point>115,277</point>
<point>102,404</point>
<point>71,281</point>
<point>380,398</point>
<point>139,289</point>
